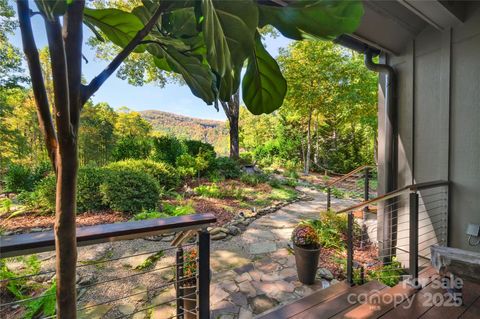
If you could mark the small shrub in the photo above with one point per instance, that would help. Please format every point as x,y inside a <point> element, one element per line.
<point>388,274</point>
<point>282,194</point>
<point>254,179</point>
<point>212,191</point>
<point>305,236</point>
<point>148,215</point>
<point>180,210</point>
<point>131,148</point>
<point>190,266</point>
<point>190,166</point>
<point>89,197</point>
<point>195,147</point>
<point>43,197</point>
<point>18,178</point>
<point>165,174</point>
<point>227,167</point>
<point>130,191</point>
<point>167,149</point>
<point>5,205</point>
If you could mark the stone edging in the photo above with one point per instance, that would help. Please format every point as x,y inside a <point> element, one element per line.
<point>243,219</point>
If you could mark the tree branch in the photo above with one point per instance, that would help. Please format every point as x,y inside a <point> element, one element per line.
<point>38,84</point>
<point>97,82</point>
<point>60,80</point>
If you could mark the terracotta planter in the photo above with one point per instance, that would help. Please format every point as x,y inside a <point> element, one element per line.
<point>190,305</point>
<point>307,263</point>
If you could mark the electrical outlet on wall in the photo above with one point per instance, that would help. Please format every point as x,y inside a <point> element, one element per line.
<point>473,230</point>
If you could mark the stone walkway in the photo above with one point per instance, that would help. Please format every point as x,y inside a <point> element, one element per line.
<point>255,272</point>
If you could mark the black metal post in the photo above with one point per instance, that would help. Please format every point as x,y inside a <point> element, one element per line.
<point>329,194</point>
<point>203,280</point>
<point>366,191</point>
<point>413,256</point>
<point>350,248</point>
<point>179,285</point>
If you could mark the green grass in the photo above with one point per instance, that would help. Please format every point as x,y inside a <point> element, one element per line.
<point>283,194</point>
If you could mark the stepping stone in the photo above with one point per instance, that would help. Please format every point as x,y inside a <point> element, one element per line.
<point>244,268</point>
<point>223,308</point>
<point>262,303</point>
<point>229,285</point>
<point>239,299</point>
<point>324,273</point>
<point>164,296</point>
<point>288,272</point>
<point>285,286</point>
<point>268,288</point>
<point>126,309</point>
<point>262,248</point>
<point>245,314</point>
<point>163,312</point>
<point>96,312</point>
<point>243,277</point>
<point>218,295</point>
<point>247,288</point>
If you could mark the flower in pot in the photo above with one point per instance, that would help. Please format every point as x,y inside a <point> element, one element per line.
<point>189,285</point>
<point>306,246</point>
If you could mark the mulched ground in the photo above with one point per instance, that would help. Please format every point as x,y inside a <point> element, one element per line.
<point>224,209</point>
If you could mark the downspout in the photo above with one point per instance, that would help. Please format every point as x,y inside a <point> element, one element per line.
<point>390,168</point>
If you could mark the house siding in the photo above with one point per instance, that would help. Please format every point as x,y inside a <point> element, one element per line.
<point>438,91</point>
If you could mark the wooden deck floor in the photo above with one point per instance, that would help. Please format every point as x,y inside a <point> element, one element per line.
<point>399,302</point>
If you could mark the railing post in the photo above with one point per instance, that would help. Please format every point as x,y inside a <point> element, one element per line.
<point>179,282</point>
<point>413,256</point>
<point>350,248</point>
<point>329,195</point>
<point>366,191</point>
<point>203,280</point>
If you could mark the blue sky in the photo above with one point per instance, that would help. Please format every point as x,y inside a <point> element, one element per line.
<point>172,98</point>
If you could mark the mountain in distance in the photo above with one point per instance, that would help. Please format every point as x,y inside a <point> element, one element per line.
<point>185,127</point>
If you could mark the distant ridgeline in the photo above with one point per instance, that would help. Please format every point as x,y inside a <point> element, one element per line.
<point>209,131</point>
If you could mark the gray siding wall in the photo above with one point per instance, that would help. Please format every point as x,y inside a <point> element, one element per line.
<point>439,118</point>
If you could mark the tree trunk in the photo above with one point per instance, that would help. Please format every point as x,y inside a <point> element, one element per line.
<point>306,169</point>
<point>65,232</point>
<point>232,111</point>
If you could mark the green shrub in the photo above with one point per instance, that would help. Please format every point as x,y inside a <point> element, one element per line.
<point>388,274</point>
<point>18,178</point>
<point>282,194</point>
<point>165,174</point>
<point>130,191</point>
<point>43,197</point>
<point>227,167</point>
<point>254,179</point>
<point>131,148</point>
<point>195,147</point>
<point>168,211</point>
<point>89,197</point>
<point>167,149</point>
<point>214,191</point>
<point>190,166</point>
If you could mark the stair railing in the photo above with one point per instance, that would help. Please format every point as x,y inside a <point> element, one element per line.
<point>366,172</point>
<point>419,211</point>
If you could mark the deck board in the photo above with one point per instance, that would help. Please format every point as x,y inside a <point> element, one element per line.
<point>473,311</point>
<point>307,302</point>
<point>337,304</point>
<point>471,292</point>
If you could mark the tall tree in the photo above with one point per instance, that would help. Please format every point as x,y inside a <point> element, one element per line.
<point>205,41</point>
<point>232,111</point>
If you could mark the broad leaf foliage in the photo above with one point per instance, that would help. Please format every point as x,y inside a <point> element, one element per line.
<point>209,41</point>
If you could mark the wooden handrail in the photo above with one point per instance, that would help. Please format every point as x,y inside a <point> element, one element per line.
<point>344,177</point>
<point>395,193</point>
<point>23,244</point>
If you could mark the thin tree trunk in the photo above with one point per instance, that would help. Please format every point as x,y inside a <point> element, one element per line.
<point>65,231</point>
<point>317,143</point>
<point>232,111</point>
<point>309,144</point>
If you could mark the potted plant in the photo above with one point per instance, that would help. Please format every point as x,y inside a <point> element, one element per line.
<point>306,246</point>
<point>189,286</point>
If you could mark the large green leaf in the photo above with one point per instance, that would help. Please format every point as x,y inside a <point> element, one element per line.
<point>52,8</point>
<point>263,85</point>
<point>239,20</point>
<point>218,52</point>
<point>321,19</point>
<point>118,26</point>
<point>197,75</point>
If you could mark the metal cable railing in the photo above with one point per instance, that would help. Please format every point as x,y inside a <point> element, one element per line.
<point>172,275</point>
<point>395,244</point>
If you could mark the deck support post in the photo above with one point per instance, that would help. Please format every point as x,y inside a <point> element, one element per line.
<point>203,280</point>
<point>350,248</point>
<point>179,282</point>
<point>329,196</point>
<point>413,249</point>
